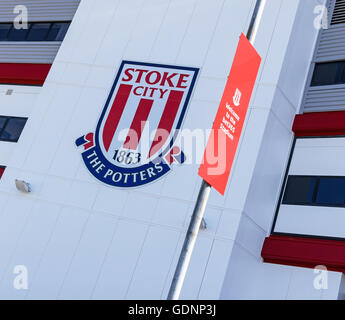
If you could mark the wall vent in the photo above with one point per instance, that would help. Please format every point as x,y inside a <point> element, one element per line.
<point>338,12</point>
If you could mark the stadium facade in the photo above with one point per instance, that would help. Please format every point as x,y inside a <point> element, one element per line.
<point>76,228</point>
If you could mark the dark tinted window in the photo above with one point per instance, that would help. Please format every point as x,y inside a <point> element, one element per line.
<point>331,191</point>
<point>17,34</point>
<point>12,129</point>
<point>329,73</point>
<point>4,29</point>
<point>2,122</point>
<point>58,31</point>
<point>299,190</point>
<point>315,191</point>
<point>38,31</point>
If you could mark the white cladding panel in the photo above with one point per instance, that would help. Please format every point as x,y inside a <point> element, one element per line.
<point>133,237</point>
<point>316,157</point>
<point>311,221</point>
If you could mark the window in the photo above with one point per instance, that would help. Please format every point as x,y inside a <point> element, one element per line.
<point>331,191</point>
<point>57,31</point>
<point>4,29</point>
<point>2,170</point>
<point>299,190</point>
<point>11,128</point>
<point>2,122</point>
<point>17,34</point>
<point>329,73</point>
<point>315,191</point>
<point>37,31</point>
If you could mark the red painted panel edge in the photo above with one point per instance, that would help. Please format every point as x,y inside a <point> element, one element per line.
<point>24,73</point>
<point>2,170</point>
<point>304,252</point>
<point>319,124</point>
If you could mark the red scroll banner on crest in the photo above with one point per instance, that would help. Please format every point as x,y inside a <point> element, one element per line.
<point>227,127</point>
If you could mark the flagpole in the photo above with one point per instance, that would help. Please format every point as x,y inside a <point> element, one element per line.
<point>189,241</point>
<point>204,192</point>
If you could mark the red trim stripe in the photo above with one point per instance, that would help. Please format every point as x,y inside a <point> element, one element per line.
<point>138,124</point>
<point>115,114</point>
<point>167,121</point>
<point>2,170</point>
<point>304,252</point>
<point>24,73</point>
<point>319,124</point>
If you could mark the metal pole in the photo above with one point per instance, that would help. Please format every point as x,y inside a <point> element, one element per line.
<point>201,202</point>
<point>256,19</point>
<point>189,241</point>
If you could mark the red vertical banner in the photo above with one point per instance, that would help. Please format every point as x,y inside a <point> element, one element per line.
<point>227,127</point>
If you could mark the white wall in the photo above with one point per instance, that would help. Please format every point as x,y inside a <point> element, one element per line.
<point>263,157</point>
<point>318,157</point>
<point>20,103</point>
<point>80,239</point>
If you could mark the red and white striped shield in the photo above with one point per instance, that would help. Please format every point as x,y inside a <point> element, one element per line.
<point>145,108</point>
<point>134,140</point>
